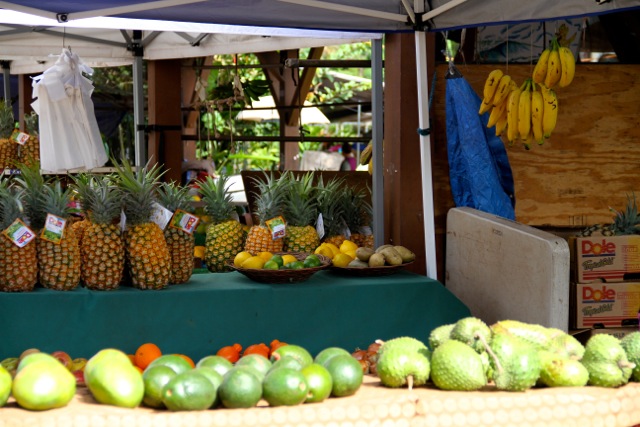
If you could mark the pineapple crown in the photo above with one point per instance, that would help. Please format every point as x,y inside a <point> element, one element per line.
<point>174,196</point>
<point>56,200</point>
<point>357,209</point>
<point>330,205</point>
<point>10,208</point>
<point>217,200</point>
<point>628,221</point>
<point>300,206</point>
<point>138,190</point>
<point>269,197</point>
<point>31,122</point>
<point>101,200</point>
<point>31,185</point>
<point>7,121</point>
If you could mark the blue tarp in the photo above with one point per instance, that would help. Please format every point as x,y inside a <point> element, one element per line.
<point>479,169</point>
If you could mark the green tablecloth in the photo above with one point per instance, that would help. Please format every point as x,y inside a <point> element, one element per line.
<point>214,310</point>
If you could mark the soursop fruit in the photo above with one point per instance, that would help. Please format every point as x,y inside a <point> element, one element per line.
<point>440,335</point>
<point>560,371</point>
<point>606,361</point>
<point>631,345</point>
<point>567,345</point>
<point>516,364</point>
<point>403,363</point>
<point>457,366</point>
<point>473,332</point>
<point>408,343</point>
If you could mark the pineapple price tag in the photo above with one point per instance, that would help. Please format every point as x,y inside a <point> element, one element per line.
<point>19,233</point>
<point>277,226</point>
<point>53,228</point>
<point>161,215</point>
<point>184,221</point>
<point>20,137</point>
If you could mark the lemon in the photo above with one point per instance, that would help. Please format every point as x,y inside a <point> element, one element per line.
<point>324,250</point>
<point>342,260</point>
<point>254,262</point>
<point>333,248</point>
<point>266,255</point>
<point>348,245</point>
<point>286,259</point>
<point>198,252</point>
<point>351,253</point>
<point>241,257</point>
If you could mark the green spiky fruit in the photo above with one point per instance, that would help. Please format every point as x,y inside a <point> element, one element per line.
<point>404,361</point>
<point>473,332</point>
<point>516,364</point>
<point>559,371</point>
<point>457,366</point>
<point>439,335</point>
<point>606,361</point>
<point>631,345</point>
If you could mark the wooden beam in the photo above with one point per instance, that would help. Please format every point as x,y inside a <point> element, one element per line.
<point>304,85</point>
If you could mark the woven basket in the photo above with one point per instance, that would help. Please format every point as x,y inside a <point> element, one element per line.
<point>283,275</point>
<point>384,270</point>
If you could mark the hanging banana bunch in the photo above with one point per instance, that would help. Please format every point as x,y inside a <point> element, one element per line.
<point>556,66</point>
<point>366,157</point>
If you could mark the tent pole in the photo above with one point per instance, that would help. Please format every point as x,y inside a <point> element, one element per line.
<point>6,76</point>
<point>428,212</point>
<point>138,100</point>
<point>377,192</point>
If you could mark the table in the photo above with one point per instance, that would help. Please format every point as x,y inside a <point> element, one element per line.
<point>217,309</point>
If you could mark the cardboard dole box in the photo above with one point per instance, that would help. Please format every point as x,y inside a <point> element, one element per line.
<point>606,304</point>
<point>607,258</point>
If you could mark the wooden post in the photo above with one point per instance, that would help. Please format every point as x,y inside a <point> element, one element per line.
<point>24,97</point>
<point>165,117</point>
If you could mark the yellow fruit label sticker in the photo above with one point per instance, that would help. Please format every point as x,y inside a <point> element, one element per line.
<point>53,230</point>
<point>184,221</point>
<point>19,233</point>
<point>277,226</point>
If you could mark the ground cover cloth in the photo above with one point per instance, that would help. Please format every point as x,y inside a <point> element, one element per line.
<point>217,309</point>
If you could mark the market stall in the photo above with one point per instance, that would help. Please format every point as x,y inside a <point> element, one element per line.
<point>214,310</point>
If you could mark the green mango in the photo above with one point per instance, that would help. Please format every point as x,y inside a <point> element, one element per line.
<point>5,385</point>
<point>117,384</point>
<point>43,384</point>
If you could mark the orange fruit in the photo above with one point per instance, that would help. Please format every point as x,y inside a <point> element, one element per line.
<point>188,359</point>
<point>146,354</point>
<point>132,357</point>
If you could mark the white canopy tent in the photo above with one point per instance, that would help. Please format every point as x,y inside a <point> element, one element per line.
<point>373,16</point>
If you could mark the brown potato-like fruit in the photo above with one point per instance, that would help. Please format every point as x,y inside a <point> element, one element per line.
<point>406,254</point>
<point>391,256</point>
<point>376,260</point>
<point>363,254</point>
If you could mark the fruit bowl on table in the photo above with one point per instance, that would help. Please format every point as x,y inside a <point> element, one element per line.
<point>283,275</point>
<point>384,270</point>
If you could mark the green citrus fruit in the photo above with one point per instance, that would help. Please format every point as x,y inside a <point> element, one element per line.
<point>325,355</point>
<point>216,379</point>
<point>270,265</point>
<point>5,386</point>
<point>295,265</point>
<point>189,391</point>
<point>284,387</point>
<point>219,363</point>
<point>293,350</point>
<point>278,260</point>
<point>256,361</point>
<point>175,362</point>
<point>240,388</point>
<point>155,378</point>
<point>319,381</point>
<point>346,373</point>
<point>312,261</point>
<point>287,362</point>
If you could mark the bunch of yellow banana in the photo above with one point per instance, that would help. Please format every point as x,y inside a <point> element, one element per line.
<point>496,92</point>
<point>556,66</point>
<point>366,157</point>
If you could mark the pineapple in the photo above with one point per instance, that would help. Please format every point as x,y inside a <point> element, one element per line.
<point>58,263</point>
<point>300,210</point>
<point>225,236</point>
<point>81,192</point>
<point>8,147</point>
<point>147,254</point>
<point>179,242</point>
<point>330,205</point>
<point>30,151</point>
<point>102,245</point>
<point>358,214</point>
<point>268,205</point>
<point>13,278</point>
<point>627,221</point>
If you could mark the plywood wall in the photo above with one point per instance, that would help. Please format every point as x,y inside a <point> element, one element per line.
<point>591,162</point>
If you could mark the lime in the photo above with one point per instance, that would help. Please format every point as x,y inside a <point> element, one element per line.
<point>319,382</point>
<point>218,363</point>
<point>278,260</point>
<point>284,387</point>
<point>325,355</point>
<point>189,391</point>
<point>256,361</point>
<point>240,388</point>
<point>287,362</point>
<point>175,362</point>
<point>300,353</point>
<point>312,261</point>
<point>155,378</point>
<point>215,378</point>
<point>270,265</point>
<point>5,386</point>
<point>295,265</point>
<point>346,374</point>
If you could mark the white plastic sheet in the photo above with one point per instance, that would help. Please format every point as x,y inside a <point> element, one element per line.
<point>68,130</point>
